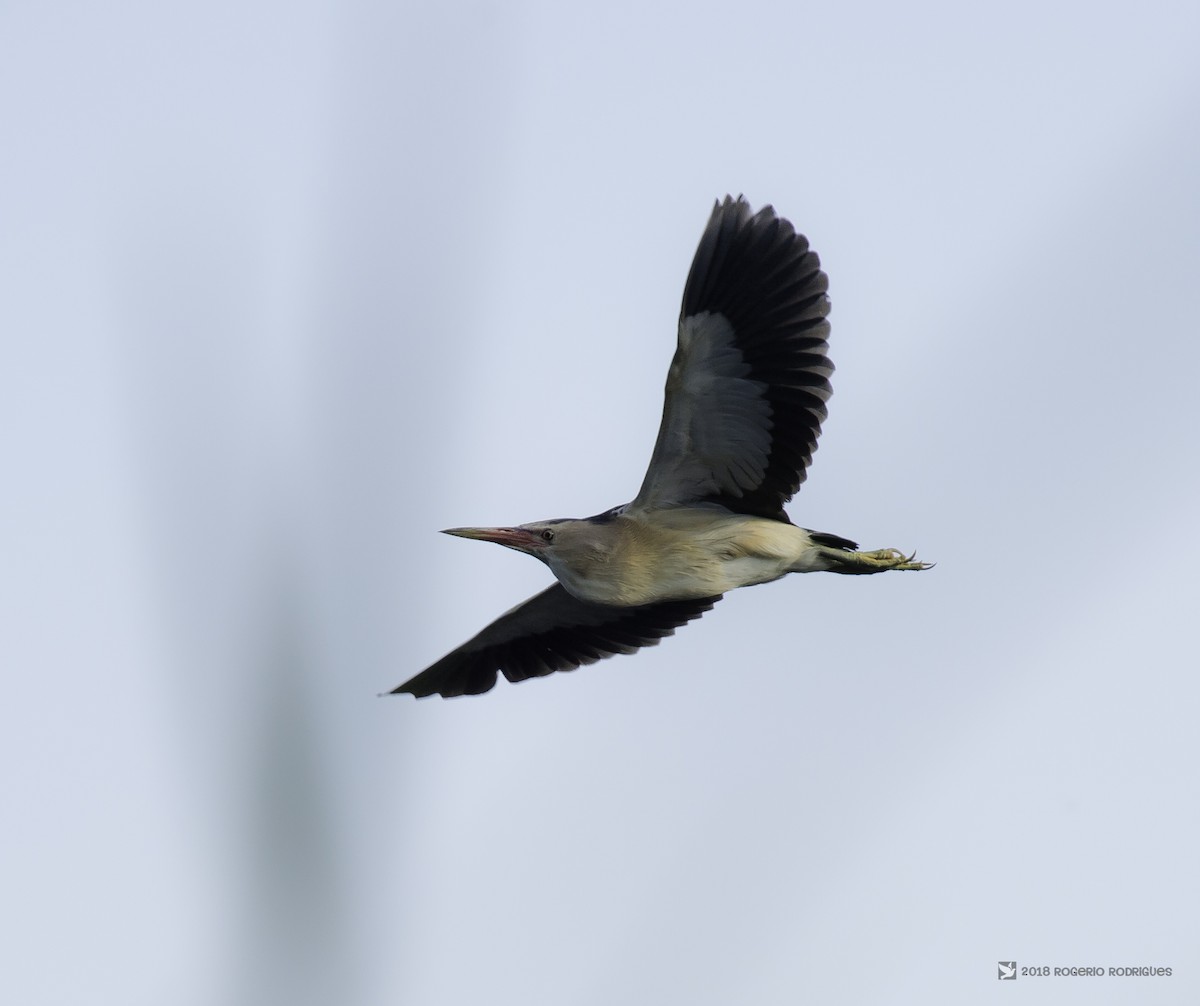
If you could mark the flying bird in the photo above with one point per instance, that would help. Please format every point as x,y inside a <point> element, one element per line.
<point>745,399</point>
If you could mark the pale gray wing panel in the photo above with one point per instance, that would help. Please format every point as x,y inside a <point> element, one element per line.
<point>715,436</point>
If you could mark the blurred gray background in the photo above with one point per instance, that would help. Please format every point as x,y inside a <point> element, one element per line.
<point>286,288</point>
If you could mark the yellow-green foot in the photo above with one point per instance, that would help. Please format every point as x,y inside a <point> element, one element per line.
<point>873,562</point>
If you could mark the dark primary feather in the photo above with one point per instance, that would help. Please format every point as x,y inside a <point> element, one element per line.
<point>758,274</point>
<point>552,631</point>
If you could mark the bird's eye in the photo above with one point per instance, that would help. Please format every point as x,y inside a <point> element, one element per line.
<point>547,535</point>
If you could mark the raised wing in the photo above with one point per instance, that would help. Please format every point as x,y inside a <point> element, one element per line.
<point>552,631</point>
<point>747,388</point>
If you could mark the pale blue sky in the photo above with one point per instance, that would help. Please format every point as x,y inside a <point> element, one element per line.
<point>289,287</point>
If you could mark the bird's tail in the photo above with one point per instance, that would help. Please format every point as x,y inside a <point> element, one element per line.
<point>832,541</point>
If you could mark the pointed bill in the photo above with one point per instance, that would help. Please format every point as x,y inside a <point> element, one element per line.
<point>509,537</point>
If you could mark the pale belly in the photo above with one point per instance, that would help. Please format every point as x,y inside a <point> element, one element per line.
<point>719,575</point>
<point>688,554</point>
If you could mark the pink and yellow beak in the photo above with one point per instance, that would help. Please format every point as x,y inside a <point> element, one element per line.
<point>509,537</point>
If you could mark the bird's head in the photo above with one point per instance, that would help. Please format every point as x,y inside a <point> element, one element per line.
<point>566,546</point>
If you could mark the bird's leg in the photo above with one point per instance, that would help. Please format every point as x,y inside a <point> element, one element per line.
<point>839,561</point>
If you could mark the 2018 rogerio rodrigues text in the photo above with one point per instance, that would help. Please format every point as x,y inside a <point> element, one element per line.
<point>1009,971</point>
